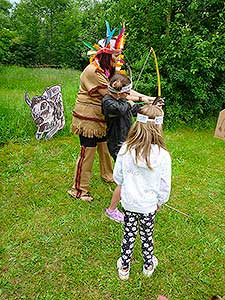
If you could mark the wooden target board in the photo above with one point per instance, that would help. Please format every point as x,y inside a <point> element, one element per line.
<point>220,127</point>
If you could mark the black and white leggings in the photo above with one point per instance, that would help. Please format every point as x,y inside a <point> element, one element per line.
<point>132,222</point>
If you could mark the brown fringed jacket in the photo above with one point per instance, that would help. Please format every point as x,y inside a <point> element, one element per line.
<point>88,119</point>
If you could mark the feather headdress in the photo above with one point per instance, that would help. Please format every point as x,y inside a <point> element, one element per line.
<point>110,44</point>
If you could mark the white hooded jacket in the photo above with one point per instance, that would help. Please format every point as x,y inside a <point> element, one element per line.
<point>143,189</point>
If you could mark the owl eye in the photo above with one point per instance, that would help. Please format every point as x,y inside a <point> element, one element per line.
<point>43,105</point>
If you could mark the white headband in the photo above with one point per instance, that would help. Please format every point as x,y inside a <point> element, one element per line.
<point>124,89</point>
<point>144,119</point>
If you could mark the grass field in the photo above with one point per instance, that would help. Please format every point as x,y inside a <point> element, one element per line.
<point>56,248</point>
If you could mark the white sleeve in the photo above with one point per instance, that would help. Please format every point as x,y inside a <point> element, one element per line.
<point>118,172</point>
<point>165,182</point>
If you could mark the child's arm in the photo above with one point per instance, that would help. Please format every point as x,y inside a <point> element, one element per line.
<point>114,108</point>
<point>165,182</point>
<point>135,108</point>
<point>117,171</point>
<point>138,97</point>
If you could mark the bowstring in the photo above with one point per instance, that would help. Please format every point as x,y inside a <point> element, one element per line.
<point>142,69</point>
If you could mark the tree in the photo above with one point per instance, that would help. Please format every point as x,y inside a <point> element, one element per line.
<point>46,29</point>
<point>188,37</point>
<point>6,34</point>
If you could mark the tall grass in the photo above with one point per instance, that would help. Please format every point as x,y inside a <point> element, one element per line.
<point>15,118</point>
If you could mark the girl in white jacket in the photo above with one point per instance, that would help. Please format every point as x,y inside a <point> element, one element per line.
<point>143,171</point>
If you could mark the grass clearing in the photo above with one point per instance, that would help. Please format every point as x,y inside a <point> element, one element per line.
<point>56,248</point>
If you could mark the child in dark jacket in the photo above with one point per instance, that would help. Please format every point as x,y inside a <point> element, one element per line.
<point>118,113</point>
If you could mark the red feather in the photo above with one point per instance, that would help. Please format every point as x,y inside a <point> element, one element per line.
<point>118,40</point>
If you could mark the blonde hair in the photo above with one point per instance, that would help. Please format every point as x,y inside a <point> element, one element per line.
<point>142,135</point>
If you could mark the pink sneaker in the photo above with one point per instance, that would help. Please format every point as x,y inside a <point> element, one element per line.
<point>161,297</point>
<point>115,215</point>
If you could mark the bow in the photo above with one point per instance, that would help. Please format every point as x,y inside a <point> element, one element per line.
<point>158,100</point>
<point>157,72</point>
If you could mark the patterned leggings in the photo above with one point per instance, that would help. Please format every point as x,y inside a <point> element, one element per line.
<point>146,227</point>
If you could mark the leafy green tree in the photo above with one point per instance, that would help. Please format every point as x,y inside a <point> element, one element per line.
<point>188,37</point>
<point>6,34</point>
<point>48,32</point>
<point>193,63</point>
<point>27,22</point>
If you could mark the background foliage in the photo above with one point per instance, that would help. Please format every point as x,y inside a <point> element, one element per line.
<point>188,37</point>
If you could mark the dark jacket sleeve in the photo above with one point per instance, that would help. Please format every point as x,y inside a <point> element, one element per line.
<point>114,108</point>
<point>135,108</point>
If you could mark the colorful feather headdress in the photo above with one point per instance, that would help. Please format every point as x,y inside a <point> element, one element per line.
<point>110,44</point>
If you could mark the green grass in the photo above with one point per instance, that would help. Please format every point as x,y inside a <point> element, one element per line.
<point>54,247</point>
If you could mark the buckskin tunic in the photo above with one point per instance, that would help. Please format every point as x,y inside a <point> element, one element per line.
<point>88,119</point>
<point>89,123</point>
